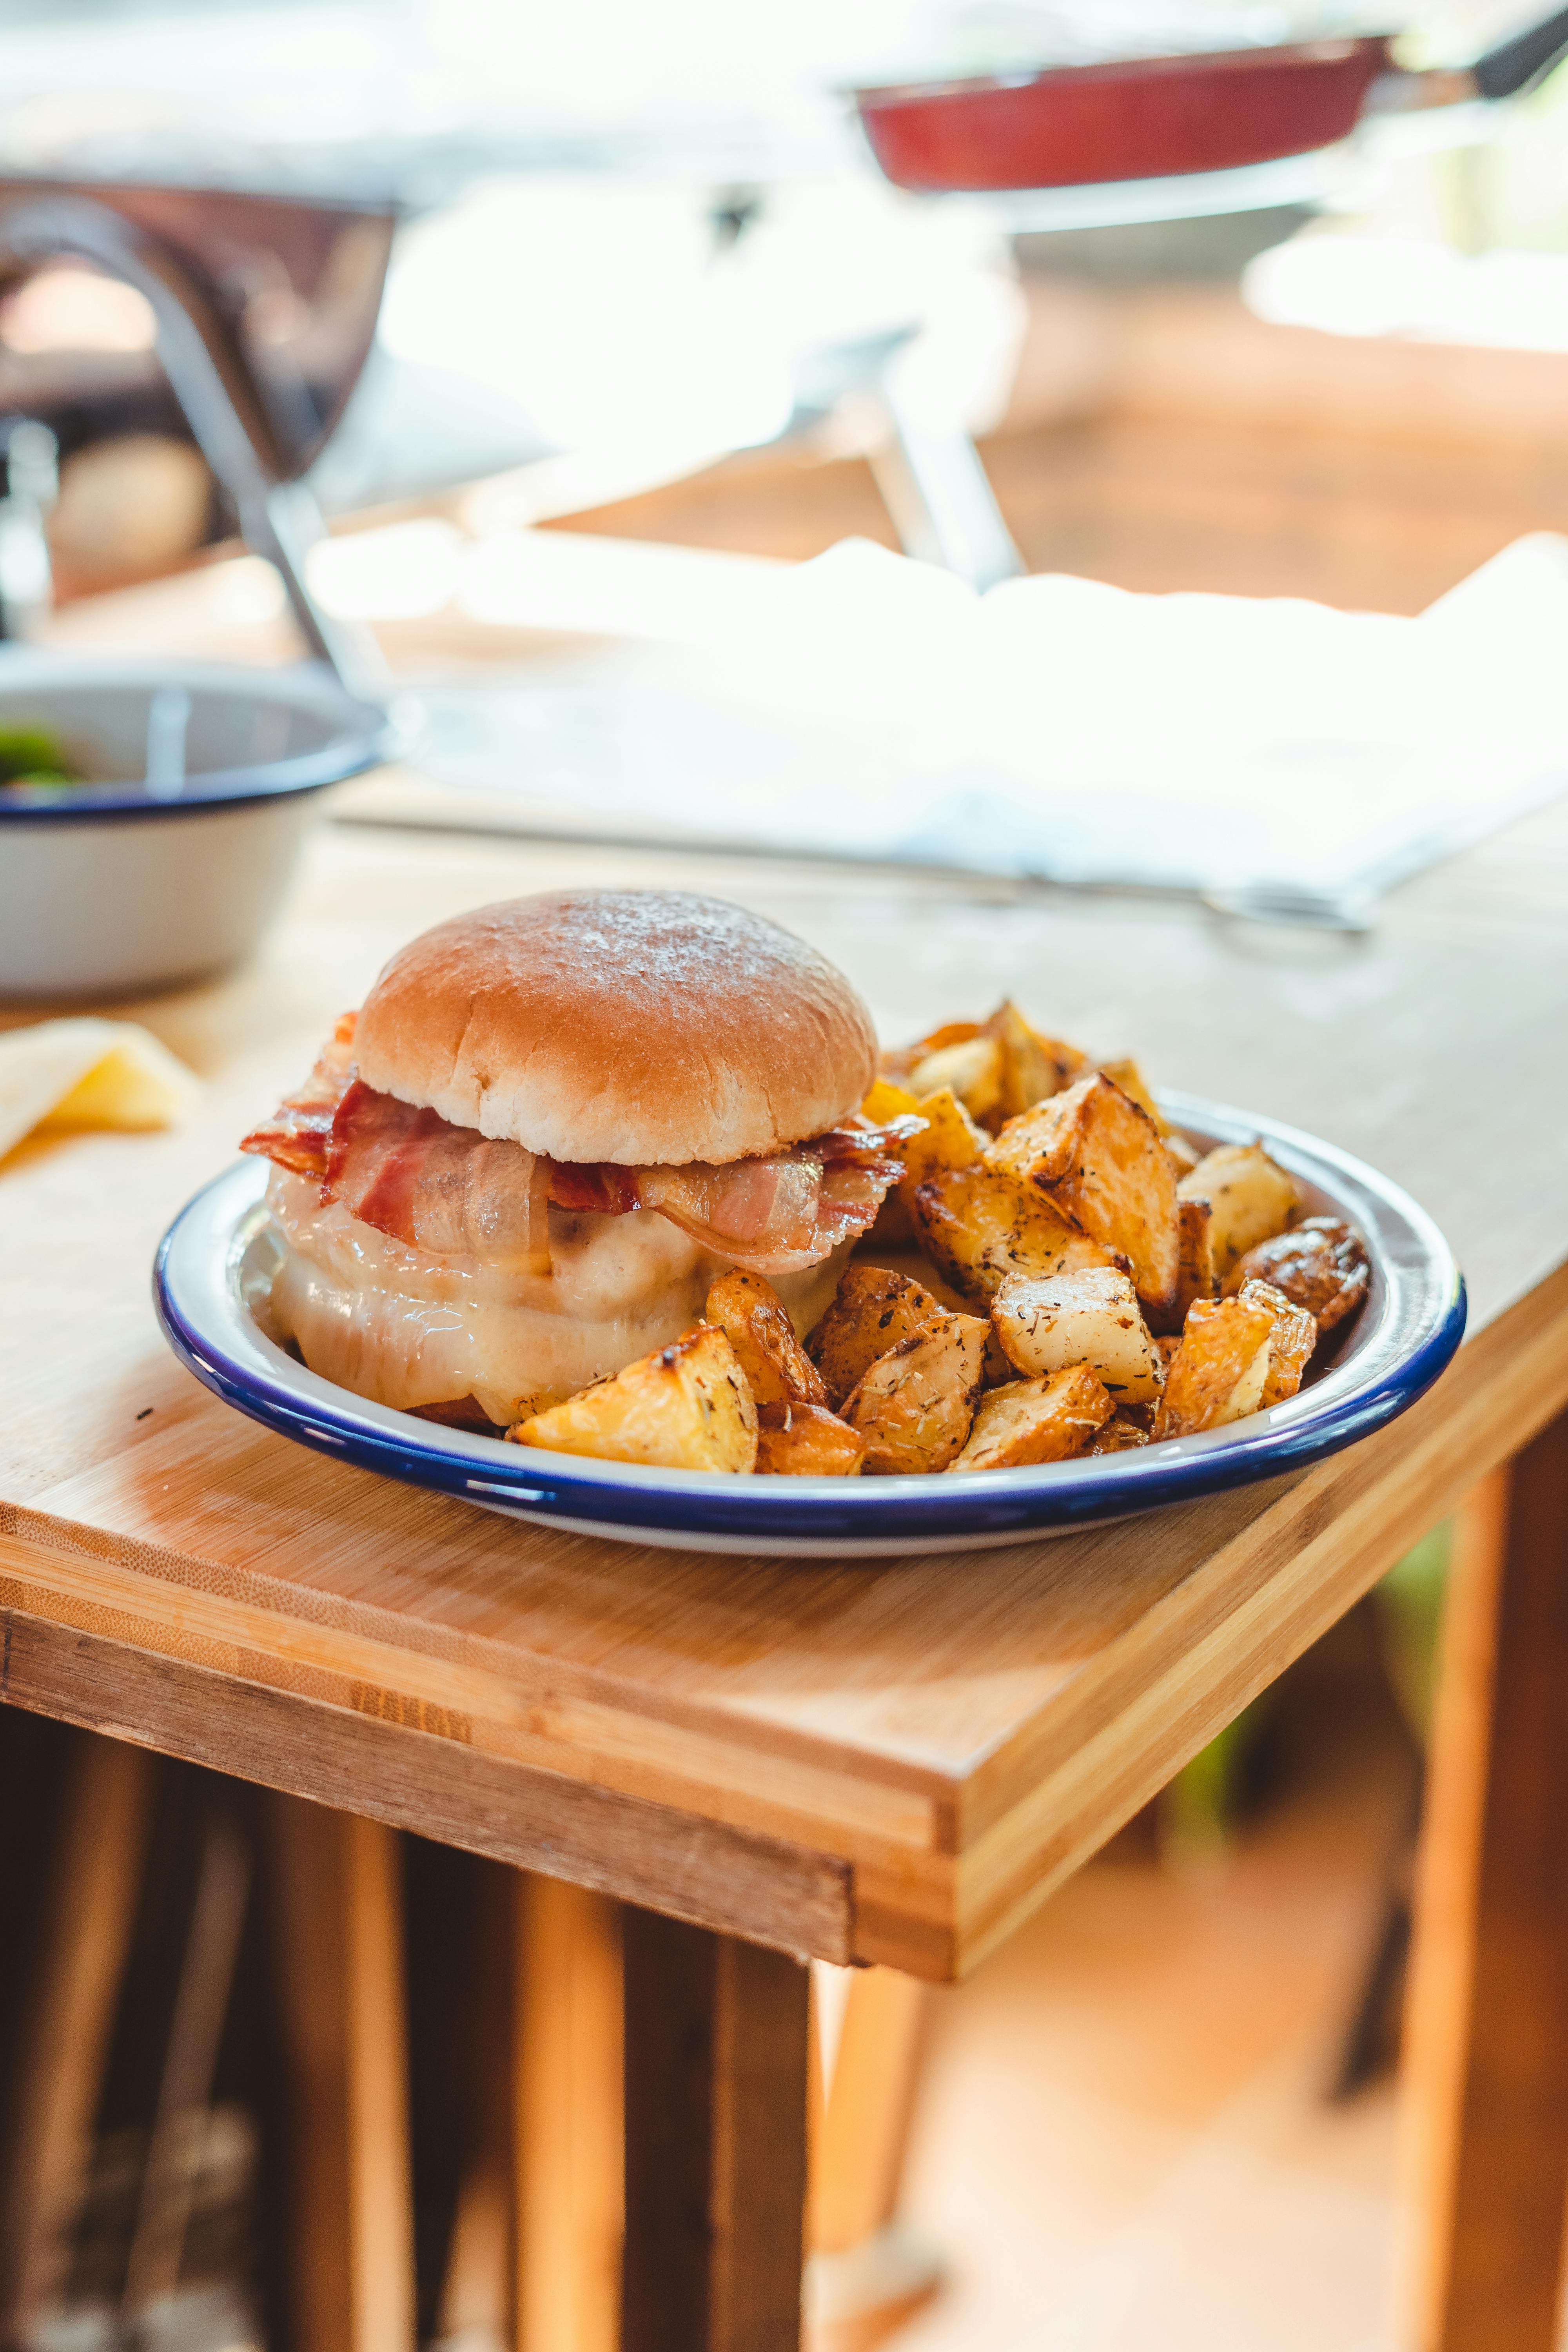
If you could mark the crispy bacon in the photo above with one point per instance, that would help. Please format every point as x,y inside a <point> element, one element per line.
<point>298,1134</point>
<point>412,1174</point>
<point>596,1188</point>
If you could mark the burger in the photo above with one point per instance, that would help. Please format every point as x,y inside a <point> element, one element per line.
<point>551,1123</point>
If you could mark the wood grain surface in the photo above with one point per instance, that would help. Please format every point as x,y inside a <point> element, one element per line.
<point>340,1969</point>
<point>892,1760</point>
<point>1490,2041</point>
<point>91,1913</point>
<point>716,2054</point>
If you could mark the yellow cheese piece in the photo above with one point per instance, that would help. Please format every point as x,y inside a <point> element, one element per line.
<point>64,1074</point>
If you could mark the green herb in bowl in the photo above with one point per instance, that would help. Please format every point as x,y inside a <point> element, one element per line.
<point>35,757</point>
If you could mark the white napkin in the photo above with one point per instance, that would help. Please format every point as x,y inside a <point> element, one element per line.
<point>1272,751</point>
<point>83,1073</point>
<point>1276,753</point>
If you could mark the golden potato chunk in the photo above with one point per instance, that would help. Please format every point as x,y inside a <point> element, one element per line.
<point>1130,1078</point>
<point>999,1369</point>
<point>887,1102</point>
<point>1120,1437</point>
<point>1251,1199</point>
<point>806,1440</point>
<point>972,1070</point>
<point>1290,1343</point>
<point>755,1320</point>
<point>977,1225</point>
<point>950,1139</point>
<point>685,1407</point>
<point>1320,1265</point>
<point>913,1406</point>
<point>1237,1356</point>
<point>873,1311</point>
<point>1217,1373</point>
<point>899,1060</point>
<point>1033,1066</point>
<point>1045,1420</point>
<point>1098,1158</point>
<point>1197,1277</point>
<point>1049,1324</point>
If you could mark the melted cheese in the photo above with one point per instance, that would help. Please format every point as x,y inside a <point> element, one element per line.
<point>406,1326</point>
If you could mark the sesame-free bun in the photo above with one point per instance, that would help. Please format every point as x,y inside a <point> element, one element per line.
<point>648,1027</point>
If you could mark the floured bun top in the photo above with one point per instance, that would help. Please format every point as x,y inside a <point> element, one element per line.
<point>648,1027</point>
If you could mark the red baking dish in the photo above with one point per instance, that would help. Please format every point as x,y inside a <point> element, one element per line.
<point>1136,119</point>
<point>1160,118</point>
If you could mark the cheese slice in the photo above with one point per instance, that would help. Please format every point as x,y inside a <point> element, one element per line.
<point>63,1075</point>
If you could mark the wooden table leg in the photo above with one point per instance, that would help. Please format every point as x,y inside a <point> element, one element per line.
<point>340,1971</point>
<point>93,1892</point>
<point>1488,2031</point>
<point>867,2271</point>
<point>567,2091</point>
<point>716,2052</point>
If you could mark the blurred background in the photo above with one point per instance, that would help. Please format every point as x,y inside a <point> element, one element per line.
<point>646,268</point>
<point>578,331</point>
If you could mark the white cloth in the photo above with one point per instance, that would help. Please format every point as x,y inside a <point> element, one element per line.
<point>1275,754</point>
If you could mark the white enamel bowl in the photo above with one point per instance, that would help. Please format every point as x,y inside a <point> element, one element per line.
<point>170,863</point>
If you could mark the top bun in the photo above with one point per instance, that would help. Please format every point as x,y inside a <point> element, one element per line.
<point>648,1027</point>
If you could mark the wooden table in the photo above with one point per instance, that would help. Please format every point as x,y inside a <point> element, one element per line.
<point>887,1761</point>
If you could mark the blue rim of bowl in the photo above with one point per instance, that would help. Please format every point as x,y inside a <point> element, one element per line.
<point>368,736</point>
<point>920,1512</point>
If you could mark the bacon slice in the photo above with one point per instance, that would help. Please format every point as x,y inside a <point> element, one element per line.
<point>299,1133</point>
<point>595,1188</point>
<point>410,1173</point>
<point>785,1212</point>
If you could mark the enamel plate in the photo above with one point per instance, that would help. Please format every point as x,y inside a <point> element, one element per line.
<point>213,1272</point>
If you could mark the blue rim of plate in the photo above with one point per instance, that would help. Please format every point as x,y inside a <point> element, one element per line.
<point>367,736</point>
<point>1405,1336</point>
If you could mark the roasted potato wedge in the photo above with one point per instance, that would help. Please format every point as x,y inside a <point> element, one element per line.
<point>755,1317</point>
<point>908,1057</point>
<point>950,1139</point>
<point>1290,1343</point>
<point>887,1102</point>
<point>1049,1324</point>
<point>1197,1278</point>
<point>1098,1158</point>
<point>806,1440</point>
<point>1251,1199</point>
<point>1237,1355</point>
<point>896,1062</point>
<point>1320,1265</point>
<point>873,1312</point>
<point>685,1407</point>
<point>973,1070</point>
<point>1120,1437</point>
<point>977,1225</point>
<point>1130,1078</point>
<point>914,1405</point>
<point>1033,1066</point>
<point>1218,1372</point>
<point>1045,1420</point>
